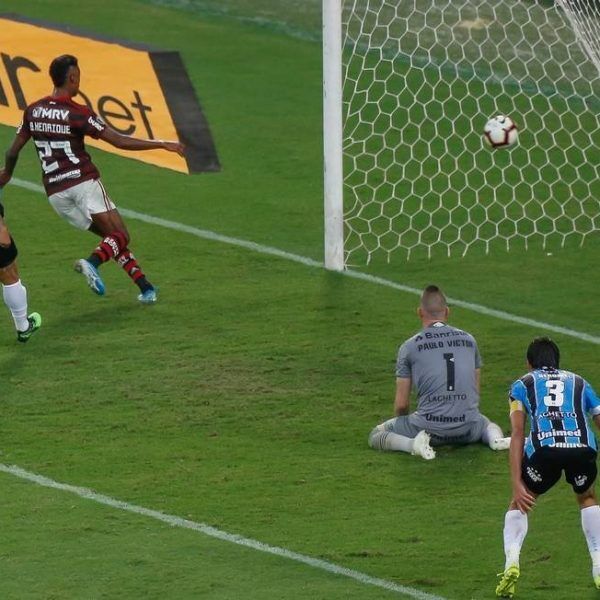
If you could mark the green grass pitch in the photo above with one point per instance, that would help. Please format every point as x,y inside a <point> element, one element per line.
<point>244,398</point>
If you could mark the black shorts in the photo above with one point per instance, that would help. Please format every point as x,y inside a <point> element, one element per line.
<point>545,466</point>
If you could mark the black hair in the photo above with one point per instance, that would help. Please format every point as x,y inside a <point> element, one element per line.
<point>543,352</point>
<point>59,68</point>
<point>432,289</point>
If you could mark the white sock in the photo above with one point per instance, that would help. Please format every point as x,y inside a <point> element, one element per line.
<point>590,523</point>
<point>515,530</point>
<point>15,298</point>
<point>380,439</point>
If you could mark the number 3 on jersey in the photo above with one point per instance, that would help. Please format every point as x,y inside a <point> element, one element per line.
<point>555,395</point>
<point>45,153</point>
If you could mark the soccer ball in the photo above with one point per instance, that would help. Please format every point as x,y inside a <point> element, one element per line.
<point>500,131</point>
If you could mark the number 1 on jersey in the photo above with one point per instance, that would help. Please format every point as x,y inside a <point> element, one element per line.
<point>449,358</point>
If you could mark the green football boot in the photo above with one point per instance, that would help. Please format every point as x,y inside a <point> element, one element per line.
<point>508,579</point>
<point>35,322</point>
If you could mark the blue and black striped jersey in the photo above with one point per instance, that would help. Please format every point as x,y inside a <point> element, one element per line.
<point>558,404</point>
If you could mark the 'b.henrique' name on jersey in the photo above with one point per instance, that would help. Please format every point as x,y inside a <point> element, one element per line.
<point>58,127</point>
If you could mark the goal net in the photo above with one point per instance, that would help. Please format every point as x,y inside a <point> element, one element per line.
<point>420,78</point>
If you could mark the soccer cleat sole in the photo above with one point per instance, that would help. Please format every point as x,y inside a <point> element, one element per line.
<point>91,275</point>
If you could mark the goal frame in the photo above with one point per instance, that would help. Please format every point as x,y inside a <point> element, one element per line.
<point>537,217</point>
<point>333,136</point>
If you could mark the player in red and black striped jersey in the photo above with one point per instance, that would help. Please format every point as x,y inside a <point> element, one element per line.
<point>58,126</point>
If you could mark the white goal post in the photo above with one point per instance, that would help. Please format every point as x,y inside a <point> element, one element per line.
<point>408,86</point>
<point>333,135</point>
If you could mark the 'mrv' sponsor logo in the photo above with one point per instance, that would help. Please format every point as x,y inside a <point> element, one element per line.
<point>56,114</point>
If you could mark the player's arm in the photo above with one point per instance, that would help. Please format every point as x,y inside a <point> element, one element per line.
<point>402,400</point>
<point>10,159</point>
<point>592,403</point>
<point>127,142</point>
<point>478,380</point>
<point>522,497</point>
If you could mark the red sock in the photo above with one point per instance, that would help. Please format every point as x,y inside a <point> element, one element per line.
<point>112,245</point>
<point>130,265</point>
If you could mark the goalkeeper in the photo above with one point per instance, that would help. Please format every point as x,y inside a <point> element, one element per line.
<point>443,364</point>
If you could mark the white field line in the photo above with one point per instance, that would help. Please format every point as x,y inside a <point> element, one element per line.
<point>211,235</point>
<point>175,521</point>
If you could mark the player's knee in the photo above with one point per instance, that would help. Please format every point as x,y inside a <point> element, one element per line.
<point>125,237</point>
<point>8,253</point>
<point>587,498</point>
<point>121,237</point>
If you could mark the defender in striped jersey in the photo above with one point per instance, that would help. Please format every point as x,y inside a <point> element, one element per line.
<point>58,125</point>
<point>558,404</point>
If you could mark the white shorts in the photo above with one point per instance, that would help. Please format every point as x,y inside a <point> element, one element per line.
<point>77,204</point>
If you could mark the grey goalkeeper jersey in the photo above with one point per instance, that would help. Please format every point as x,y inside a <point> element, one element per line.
<point>441,361</point>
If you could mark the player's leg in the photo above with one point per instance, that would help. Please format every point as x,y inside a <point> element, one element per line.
<point>492,435</point>
<point>539,474</point>
<point>88,207</point>
<point>400,435</point>
<point>109,225</point>
<point>74,205</point>
<point>581,474</point>
<point>515,530</point>
<point>590,523</point>
<point>14,292</point>
<point>128,262</point>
